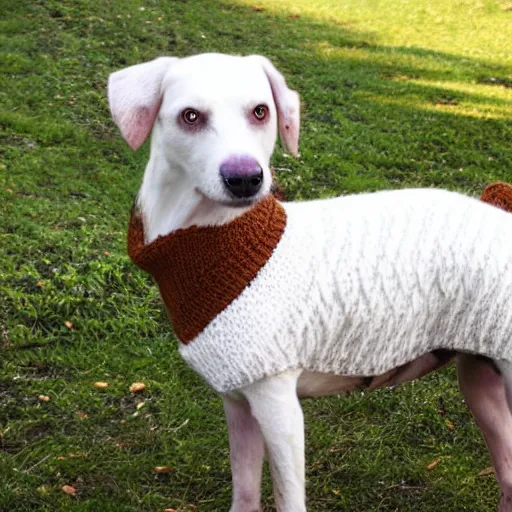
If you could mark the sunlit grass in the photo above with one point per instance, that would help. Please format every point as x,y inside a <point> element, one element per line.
<point>478,29</point>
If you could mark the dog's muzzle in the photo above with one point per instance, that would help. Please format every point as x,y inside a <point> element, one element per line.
<point>242,176</point>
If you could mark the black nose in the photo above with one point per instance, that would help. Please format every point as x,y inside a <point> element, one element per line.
<point>244,186</point>
<point>242,176</point>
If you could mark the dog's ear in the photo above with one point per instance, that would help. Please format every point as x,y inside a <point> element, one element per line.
<point>288,107</point>
<point>134,96</point>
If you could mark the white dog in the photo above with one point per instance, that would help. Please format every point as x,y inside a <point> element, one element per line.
<point>275,302</point>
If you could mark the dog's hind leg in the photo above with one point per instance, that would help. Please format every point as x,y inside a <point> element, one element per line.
<point>505,368</point>
<point>274,403</point>
<point>486,396</point>
<point>246,452</point>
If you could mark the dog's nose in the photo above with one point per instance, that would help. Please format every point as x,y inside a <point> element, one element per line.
<point>242,176</point>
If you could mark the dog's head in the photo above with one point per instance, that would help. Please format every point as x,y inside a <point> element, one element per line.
<point>214,119</point>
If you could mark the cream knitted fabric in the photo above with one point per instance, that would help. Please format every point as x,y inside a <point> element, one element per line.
<point>359,285</point>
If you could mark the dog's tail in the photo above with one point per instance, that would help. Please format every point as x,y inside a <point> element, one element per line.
<point>498,194</point>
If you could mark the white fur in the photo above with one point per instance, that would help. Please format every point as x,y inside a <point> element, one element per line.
<point>181,187</point>
<point>282,425</point>
<point>246,447</point>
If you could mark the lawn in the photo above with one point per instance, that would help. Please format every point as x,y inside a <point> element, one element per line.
<point>395,93</point>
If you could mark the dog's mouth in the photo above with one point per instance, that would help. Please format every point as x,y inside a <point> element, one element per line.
<point>240,203</point>
<point>234,202</point>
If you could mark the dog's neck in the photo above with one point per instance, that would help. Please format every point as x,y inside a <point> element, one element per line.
<point>168,201</point>
<point>201,270</point>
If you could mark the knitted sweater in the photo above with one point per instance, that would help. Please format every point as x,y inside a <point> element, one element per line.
<point>200,271</point>
<point>356,285</point>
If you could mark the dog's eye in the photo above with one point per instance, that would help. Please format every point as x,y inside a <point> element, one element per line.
<point>260,112</point>
<point>190,116</point>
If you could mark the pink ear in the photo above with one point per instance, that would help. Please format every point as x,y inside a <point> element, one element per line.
<point>288,107</point>
<point>134,97</point>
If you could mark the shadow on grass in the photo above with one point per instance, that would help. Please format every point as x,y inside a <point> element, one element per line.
<point>379,116</point>
<point>374,116</point>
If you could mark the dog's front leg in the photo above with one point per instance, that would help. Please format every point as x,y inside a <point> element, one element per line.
<point>274,403</point>
<point>246,451</point>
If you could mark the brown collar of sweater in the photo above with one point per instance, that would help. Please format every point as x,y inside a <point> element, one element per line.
<point>499,194</point>
<point>201,270</point>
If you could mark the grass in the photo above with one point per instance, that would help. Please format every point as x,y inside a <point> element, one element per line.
<point>395,94</point>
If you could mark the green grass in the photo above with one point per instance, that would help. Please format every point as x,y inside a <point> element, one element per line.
<point>394,93</point>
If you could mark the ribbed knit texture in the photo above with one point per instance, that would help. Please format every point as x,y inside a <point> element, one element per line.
<point>498,194</point>
<point>201,270</point>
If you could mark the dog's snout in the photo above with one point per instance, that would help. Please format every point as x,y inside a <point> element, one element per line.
<point>242,176</point>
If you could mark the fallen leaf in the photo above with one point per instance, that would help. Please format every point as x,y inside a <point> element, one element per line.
<point>77,455</point>
<point>140,405</point>
<point>68,324</point>
<point>164,469</point>
<point>83,415</point>
<point>257,8</point>
<point>101,385</point>
<point>486,471</point>
<point>10,190</point>
<point>434,463</point>
<point>106,253</point>
<point>122,422</point>
<point>43,489</point>
<point>137,386</point>
<point>68,489</point>
<point>44,398</point>
<point>191,506</point>
<point>40,284</point>
<point>449,424</point>
<point>123,444</point>
<point>170,510</point>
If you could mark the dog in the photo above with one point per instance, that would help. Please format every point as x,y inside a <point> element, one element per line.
<point>274,302</point>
